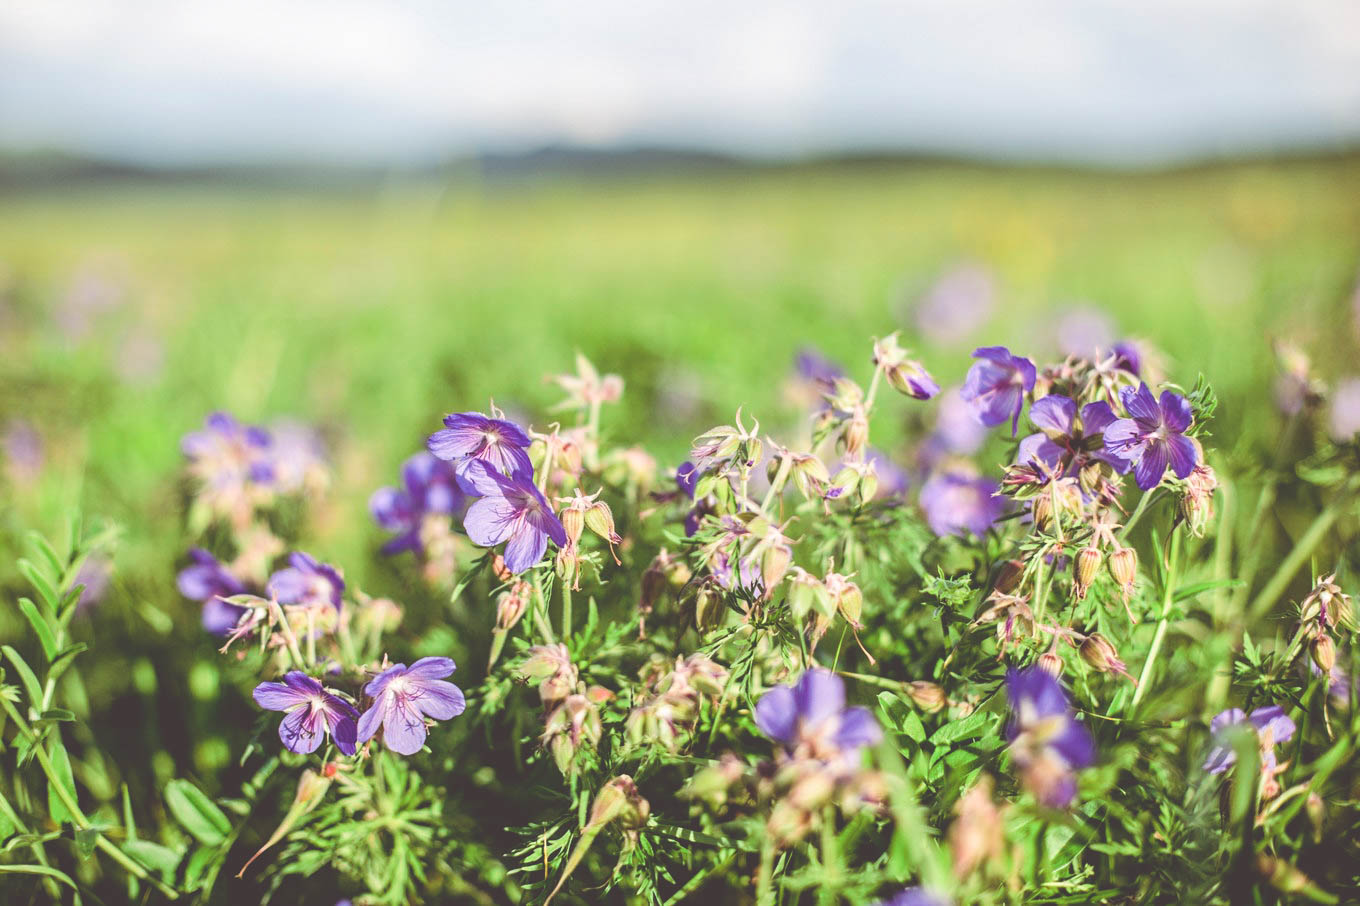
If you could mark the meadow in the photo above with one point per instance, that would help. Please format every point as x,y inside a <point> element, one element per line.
<point>130,313</point>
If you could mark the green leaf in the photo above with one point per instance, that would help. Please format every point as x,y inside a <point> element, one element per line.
<point>57,714</point>
<point>25,674</point>
<point>44,587</point>
<point>961,729</point>
<point>129,825</point>
<point>64,660</point>
<point>196,812</point>
<point>199,862</point>
<point>158,858</point>
<point>1198,588</point>
<point>35,619</point>
<point>61,767</point>
<point>39,870</point>
<point>46,551</point>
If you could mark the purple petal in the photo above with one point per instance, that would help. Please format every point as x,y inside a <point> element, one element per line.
<point>300,731</point>
<point>1096,417</point>
<point>379,683</point>
<point>1054,415</point>
<point>490,521</point>
<point>819,694</point>
<point>998,354</point>
<point>431,668</point>
<point>475,476</point>
<point>370,721</point>
<point>858,728</point>
<point>1038,448</point>
<point>439,699</point>
<point>220,617</point>
<point>391,508</point>
<point>1220,758</point>
<point>277,696</point>
<point>525,548</point>
<point>777,714</point>
<point>1226,718</point>
<point>345,734</point>
<point>403,730</point>
<point>1151,466</point>
<point>1273,718</point>
<point>1176,412</point>
<point>1075,744</point>
<point>1183,455</point>
<point>1141,405</point>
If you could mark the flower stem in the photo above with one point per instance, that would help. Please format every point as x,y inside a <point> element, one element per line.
<point>1168,596</point>
<point>780,477</point>
<point>566,609</point>
<point>1143,503</point>
<point>1303,549</point>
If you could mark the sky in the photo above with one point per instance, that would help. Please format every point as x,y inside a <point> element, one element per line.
<point>405,81</point>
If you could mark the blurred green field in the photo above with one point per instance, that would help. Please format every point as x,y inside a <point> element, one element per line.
<point>371,313</point>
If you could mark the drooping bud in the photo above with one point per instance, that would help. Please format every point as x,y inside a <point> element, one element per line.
<point>810,476</point>
<point>928,696</point>
<point>774,564</point>
<point>905,375</point>
<point>856,433</point>
<point>600,520</point>
<point>1008,576</point>
<point>1051,663</point>
<point>1123,566</point>
<point>510,606</point>
<point>574,522</point>
<point>1324,652</point>
<point>1085,568</point>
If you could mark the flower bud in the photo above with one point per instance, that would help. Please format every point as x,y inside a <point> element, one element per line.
<point>810,476</point>
<point>1041,511</point>
<point>1317,815</point>
<point>1051,663</point>
<point>600,520</point>
<point>774,564</point>
<point>928,696</point>
<point>868,483</point>
<point>856,433</point>
<point>708,609</point>
<point>844,484</point>
<point>1123,566</point>
<point>510,606</point>
<point>1085,568</point>
<point>1008,576</point>
<point>850,603</point>
<point>1324,652</point>
<point>1098,653</point>
<point>574,522</point>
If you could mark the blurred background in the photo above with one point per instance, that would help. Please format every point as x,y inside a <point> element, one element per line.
<point>364,215</point>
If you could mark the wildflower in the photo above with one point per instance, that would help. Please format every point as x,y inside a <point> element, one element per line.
<point>955,503</point>
<point>306,581</point>
<point>914,896</point>
<point>297,457</point>
<point>512,510</point>
<point>810,718</point>
<point>428,487</point>
<point>1068,442</point>
<point>231,463</point>
<point>1328,604</point>
<point>586,387</point>
<point>1047,742</point>
<point>470,437</point>
<point>1271,726</point>
<point>208,581</point>
<point>312,712</point>
<point>905,375</point>
<point>1153,436</point>
<point>404,696</point>
<point>996,386</point>
<point>1127,357</point>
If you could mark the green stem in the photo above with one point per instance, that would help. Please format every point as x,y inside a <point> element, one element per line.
<point>566,609</point>
<point>873,390</point>
<point>780,477</point>
<point>41,854</point>
<point>1042,578</point>
<point>1143,503</point>
<point>541,614</point>
<point>1168,596</point>
<point>831,862</point>
<point>765,880</point>
<point>78,818</point>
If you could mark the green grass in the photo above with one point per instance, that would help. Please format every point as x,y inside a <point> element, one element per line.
<point>372,313</point>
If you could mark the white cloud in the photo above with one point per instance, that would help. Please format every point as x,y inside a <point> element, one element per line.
<point>182,79</point>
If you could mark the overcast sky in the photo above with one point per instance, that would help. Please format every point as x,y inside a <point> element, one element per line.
<point>402,80</point>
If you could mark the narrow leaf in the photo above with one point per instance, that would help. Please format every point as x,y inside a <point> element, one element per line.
<point>61,766</point>
<point>35,619</point>
<point>25,674</point>
<point>196,812</point>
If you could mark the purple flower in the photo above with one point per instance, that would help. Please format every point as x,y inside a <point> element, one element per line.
<point>428,486</point>
<point>470,436</point>
<point>956,304</point>
<point>306,581</point>
<point>1153,436</point>
<point>298,457</point>
<point>1128,356</point>
<point>815,368</point>
<point>955,502</point>
<point>226,453</point>
<point>207,580</point>
<point>511,509</point>
<point>1068,442</point>
<point>312,713</point>
<point>996,386</point>
<point>1047,741</point>
<point>914,896</point>
<point>404,696</point>
<point>1270,724</point>
<point>811,716</point>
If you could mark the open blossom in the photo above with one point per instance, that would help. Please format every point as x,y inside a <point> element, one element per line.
<point>1153,436</point>
<point>231,462</point>
<point>512,510</point>
<point>306,581</point>
<point>996,386</point>
<point>312,712</point>
<point>208,581</point>
<point>298,457</point>
<point>1066,441</point>
<point>810,718</point>
<point>914,896</point>
<point>1271,725</point>
<point>469,437</point>
<point>404,696</point>
<point>1048,743</point>
<point>428,486</point>
<point>955,503</point>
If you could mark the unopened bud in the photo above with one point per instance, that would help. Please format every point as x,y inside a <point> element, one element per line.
<point>1041,510</point>
<point>510,606</point>
<point>1317,814</point>
<point>708,609</point>
<point>1324,652</point>
<point>574,522</point>
<point>856,432</point>
<point>774,564</point>
<point>1085,568</point>
<point>868,483</point>
<point>850,603</point>
<point>611,801</point>
<point>844,484</point>
<point>1123,566</point>
<point>1051,663</point>
<point>810,476</point>
<point>600,520</point>
<point>1008,576</point>
<point>1097,651</point>
<point>927,695</point>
